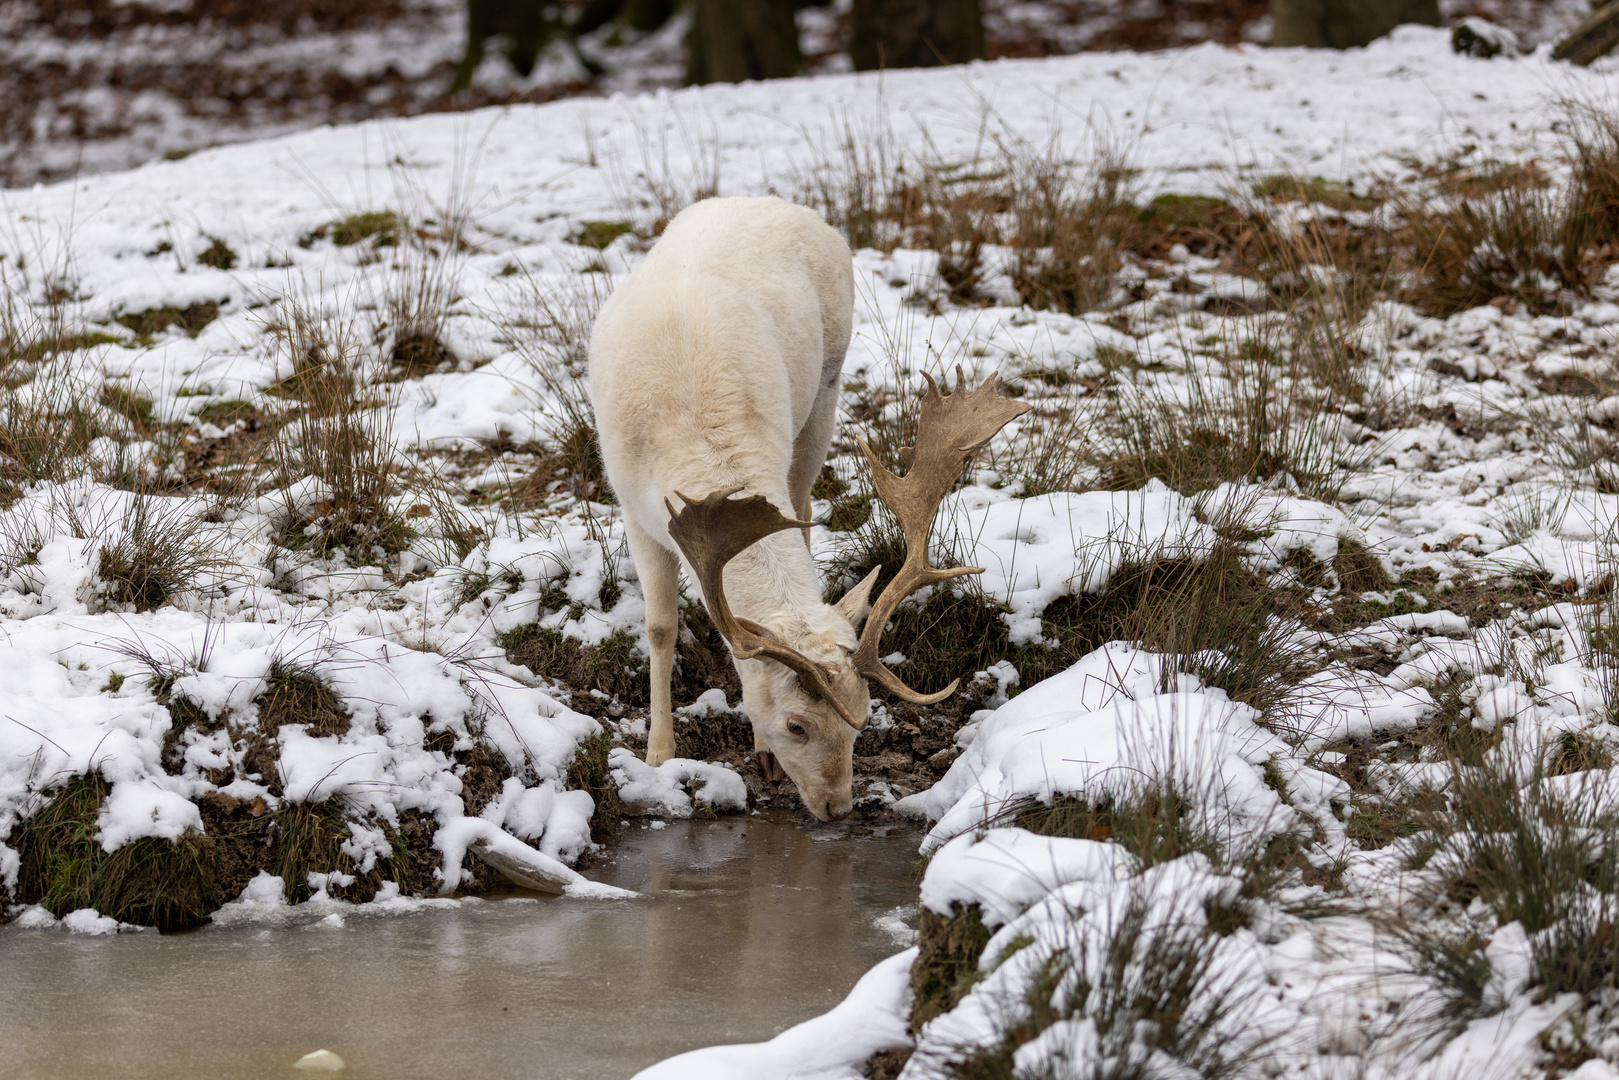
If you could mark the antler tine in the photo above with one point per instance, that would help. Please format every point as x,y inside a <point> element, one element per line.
<point>952,428</point>
<point>714,530</point>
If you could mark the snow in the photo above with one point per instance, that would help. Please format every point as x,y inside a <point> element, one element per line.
<point>1461,483</point>
<point>1035,550</point>
<point>676,786</point>
<point>833,1046</point>
<point>137,808</point>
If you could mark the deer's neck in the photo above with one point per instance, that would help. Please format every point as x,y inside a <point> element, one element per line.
<point>774,582</point>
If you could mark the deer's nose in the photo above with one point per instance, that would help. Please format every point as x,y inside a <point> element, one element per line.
<point>837,810</point>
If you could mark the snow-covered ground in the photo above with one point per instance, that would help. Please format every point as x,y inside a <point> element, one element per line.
<point>91,86</point>
<point>1464,483</point>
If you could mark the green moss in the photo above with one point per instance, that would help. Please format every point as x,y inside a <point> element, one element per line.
<point>1183,211</point>
<point>599,234</point>
<point>223,414</point>
<point>382,227</point>
<point>613,667</point>
<point>153,321</point>
<point>946,965</point>
<point>1312,189</point>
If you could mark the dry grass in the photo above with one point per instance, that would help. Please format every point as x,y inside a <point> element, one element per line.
<point>1532,852</point>
<point>1150,990</point>
<point>551,332</point>
<point>151,882</point>
<point>339,436</point>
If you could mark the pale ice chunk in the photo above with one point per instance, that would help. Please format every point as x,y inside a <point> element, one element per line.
<point>320,1061</point>
<point>92,922</point>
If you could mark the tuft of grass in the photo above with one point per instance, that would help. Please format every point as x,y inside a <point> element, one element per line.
<point>158,553</point>
<point>420,292</point>
<point>1157,820</point>
<point>296,694</point>
<point>1454,963</point>
<point>1146,992</point>
<point>1534,852</point>
<point>340,435</point>
<point>217,254</point>
<point>552,335</point>
<point>1465,250</point>
<point>382,227</point>
<point>153,321</point>
<point>1242,422</point>
<point>1070,236</point>
<point>308,838</point>
<point>946,964</point>
<point>46,432</point>
<point>148,882</point>
<point>589,772</point>
<point>1358,569</point>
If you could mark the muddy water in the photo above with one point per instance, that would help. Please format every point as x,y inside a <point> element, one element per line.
<point>745,927</point>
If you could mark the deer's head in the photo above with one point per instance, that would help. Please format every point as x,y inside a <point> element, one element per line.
<point>805,685</point>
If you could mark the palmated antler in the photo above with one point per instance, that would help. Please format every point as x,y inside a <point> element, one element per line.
<point>952,428</point>
<point>712,532</point>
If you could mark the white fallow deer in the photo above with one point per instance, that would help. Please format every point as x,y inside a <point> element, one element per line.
<point>714,372</point>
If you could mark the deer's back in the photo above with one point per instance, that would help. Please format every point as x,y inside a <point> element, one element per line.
<point>705,362</point>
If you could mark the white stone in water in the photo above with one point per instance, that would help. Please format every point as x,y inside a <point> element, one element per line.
<point>320,1061</point>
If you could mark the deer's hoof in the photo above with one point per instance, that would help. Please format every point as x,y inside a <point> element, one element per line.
<point>769,765</point>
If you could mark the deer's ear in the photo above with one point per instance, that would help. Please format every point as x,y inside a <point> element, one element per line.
<point>857,601</point>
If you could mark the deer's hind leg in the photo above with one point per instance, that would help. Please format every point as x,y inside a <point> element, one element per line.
<point>811,447</point>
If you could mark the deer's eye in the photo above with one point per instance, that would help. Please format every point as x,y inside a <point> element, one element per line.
<point>797,728</point>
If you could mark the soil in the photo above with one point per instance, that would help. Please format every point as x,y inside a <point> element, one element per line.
<point>908,754</point>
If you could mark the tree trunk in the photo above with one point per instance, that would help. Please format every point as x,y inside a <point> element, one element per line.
<point>1593,38</point>
<point>1344,24</point>
<point>733,40</point>
<point>915,33</point>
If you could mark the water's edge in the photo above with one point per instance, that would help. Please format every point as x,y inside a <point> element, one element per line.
<point>745,927</point>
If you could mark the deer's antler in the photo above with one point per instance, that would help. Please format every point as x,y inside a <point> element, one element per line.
<point>953,427</point>
<point>714,530</point>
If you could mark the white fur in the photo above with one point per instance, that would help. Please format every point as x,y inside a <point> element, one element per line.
<point>717,364</point>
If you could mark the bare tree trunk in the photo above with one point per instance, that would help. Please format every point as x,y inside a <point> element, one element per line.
<point>733,40</point>
<point>1344,24</point>
<point>1592,39</point>
<point>915,33</point>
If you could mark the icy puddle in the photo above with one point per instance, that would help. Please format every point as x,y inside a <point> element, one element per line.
<point>746,926</point>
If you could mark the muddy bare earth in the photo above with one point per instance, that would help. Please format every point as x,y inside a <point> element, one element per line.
<point>905,749</point>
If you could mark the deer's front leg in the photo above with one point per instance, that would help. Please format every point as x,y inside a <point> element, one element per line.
<point>660,582</point>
